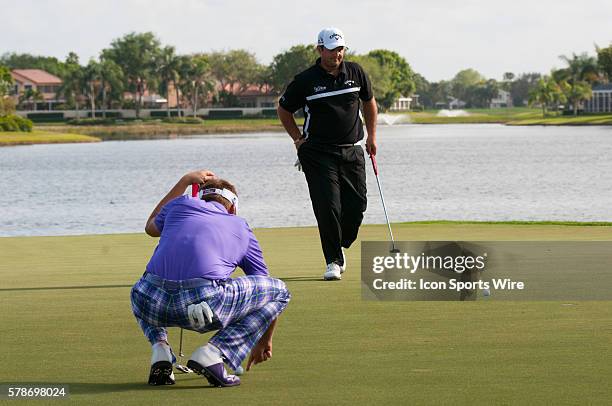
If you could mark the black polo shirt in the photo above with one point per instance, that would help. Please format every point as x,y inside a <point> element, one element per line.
<point>331,104</point>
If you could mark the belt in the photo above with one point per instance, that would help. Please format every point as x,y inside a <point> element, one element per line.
<point>358,143</point>
<point>351,145</point>
<point>174,285</point>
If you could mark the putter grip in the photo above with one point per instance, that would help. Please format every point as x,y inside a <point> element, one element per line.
<point>374,164</point>
<point>194,190</point>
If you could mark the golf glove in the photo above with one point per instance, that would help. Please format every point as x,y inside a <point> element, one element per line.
<point>199,315</point>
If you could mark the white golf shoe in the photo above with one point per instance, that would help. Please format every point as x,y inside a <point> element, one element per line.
<point>333,272</point>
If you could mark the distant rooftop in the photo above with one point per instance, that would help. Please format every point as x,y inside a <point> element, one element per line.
<point>38,76</point>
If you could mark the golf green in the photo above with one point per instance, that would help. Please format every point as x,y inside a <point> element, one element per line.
<point>66,319</point>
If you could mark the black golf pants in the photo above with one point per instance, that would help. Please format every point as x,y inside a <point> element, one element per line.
<point>337,185</point>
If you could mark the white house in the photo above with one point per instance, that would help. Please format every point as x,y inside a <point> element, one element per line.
<point>601,101</point>
<point>401,104</point>
<point>503,99</point>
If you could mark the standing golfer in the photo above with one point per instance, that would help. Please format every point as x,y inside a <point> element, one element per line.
<point>187,283</point>
<point>329,147</point>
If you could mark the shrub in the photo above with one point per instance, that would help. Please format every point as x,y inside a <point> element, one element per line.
<point>24,124</point>
<point>183,120</point>
<point>92,121</point>
<point>15,123</point>
<point>7,123</point>
<point>7,106</point>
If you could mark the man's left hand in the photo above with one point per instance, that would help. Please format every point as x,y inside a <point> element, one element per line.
<point>260,353</point>
<point>199,315</point>
<point>371,146</point>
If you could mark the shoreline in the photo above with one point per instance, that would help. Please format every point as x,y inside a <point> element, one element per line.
<point>65,133</point>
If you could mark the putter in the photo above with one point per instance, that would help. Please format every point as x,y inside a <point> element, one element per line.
<point>375,167</point>
<point>179,366</point>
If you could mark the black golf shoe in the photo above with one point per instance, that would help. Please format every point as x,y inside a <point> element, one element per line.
<point>161,374</point>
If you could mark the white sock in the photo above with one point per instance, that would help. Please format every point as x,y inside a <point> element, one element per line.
<point>207,355</point>
<point>161,352</point>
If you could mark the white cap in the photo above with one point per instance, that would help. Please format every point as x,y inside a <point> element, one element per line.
<point>226,193</point>
<point>331,38</point>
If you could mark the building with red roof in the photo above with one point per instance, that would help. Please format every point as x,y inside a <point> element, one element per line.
<point>37,79</point>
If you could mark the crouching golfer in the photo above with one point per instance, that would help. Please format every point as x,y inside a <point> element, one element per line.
<point>187,283</point>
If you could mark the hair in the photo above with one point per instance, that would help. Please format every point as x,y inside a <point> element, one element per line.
<point>218,184</point>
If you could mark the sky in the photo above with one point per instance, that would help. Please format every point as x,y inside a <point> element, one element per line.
<point>438,38</point>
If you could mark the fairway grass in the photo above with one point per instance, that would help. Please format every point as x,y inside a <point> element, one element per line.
<point>8,138</point>
<point>509,116</point>
<point>156,128</point>
<point>67,320</point>
<point>596,119</point>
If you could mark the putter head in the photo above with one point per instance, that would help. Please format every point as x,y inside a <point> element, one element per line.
<point>394,251</point>
<point>183,369</point>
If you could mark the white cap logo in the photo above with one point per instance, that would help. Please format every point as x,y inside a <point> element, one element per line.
<point>331,38</point>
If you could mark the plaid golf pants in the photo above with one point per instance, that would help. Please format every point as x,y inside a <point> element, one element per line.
<point>243,308</point>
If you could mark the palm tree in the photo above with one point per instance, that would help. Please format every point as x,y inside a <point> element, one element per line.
<point>558,91</point>
<point>111,81</point>
<point>196,79</point>
<point>541,95</point>
<point>92,78</point>
<point>581,67</point>
<point>546,92</point>
<point>168,71</point>
<point>6,86</point>
<point>31,96</point>
<point>6,80</point>
<point>578,92</point>
<point>72,83</point>
<point>580,73</point>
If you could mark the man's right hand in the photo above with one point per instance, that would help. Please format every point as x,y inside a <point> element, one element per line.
<point>199,177</point>
<point>299,143</point>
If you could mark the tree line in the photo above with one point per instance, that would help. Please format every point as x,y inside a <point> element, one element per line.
<point>573,84</point>
<point>138,62</point>
<point>568,86</point>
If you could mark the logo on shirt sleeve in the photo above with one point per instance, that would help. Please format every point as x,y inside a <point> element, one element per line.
<point>319,88</point>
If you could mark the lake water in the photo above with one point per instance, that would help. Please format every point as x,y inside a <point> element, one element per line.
<point>428,172</point>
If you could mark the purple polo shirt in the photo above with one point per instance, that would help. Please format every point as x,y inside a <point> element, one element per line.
<point>202,240</point>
